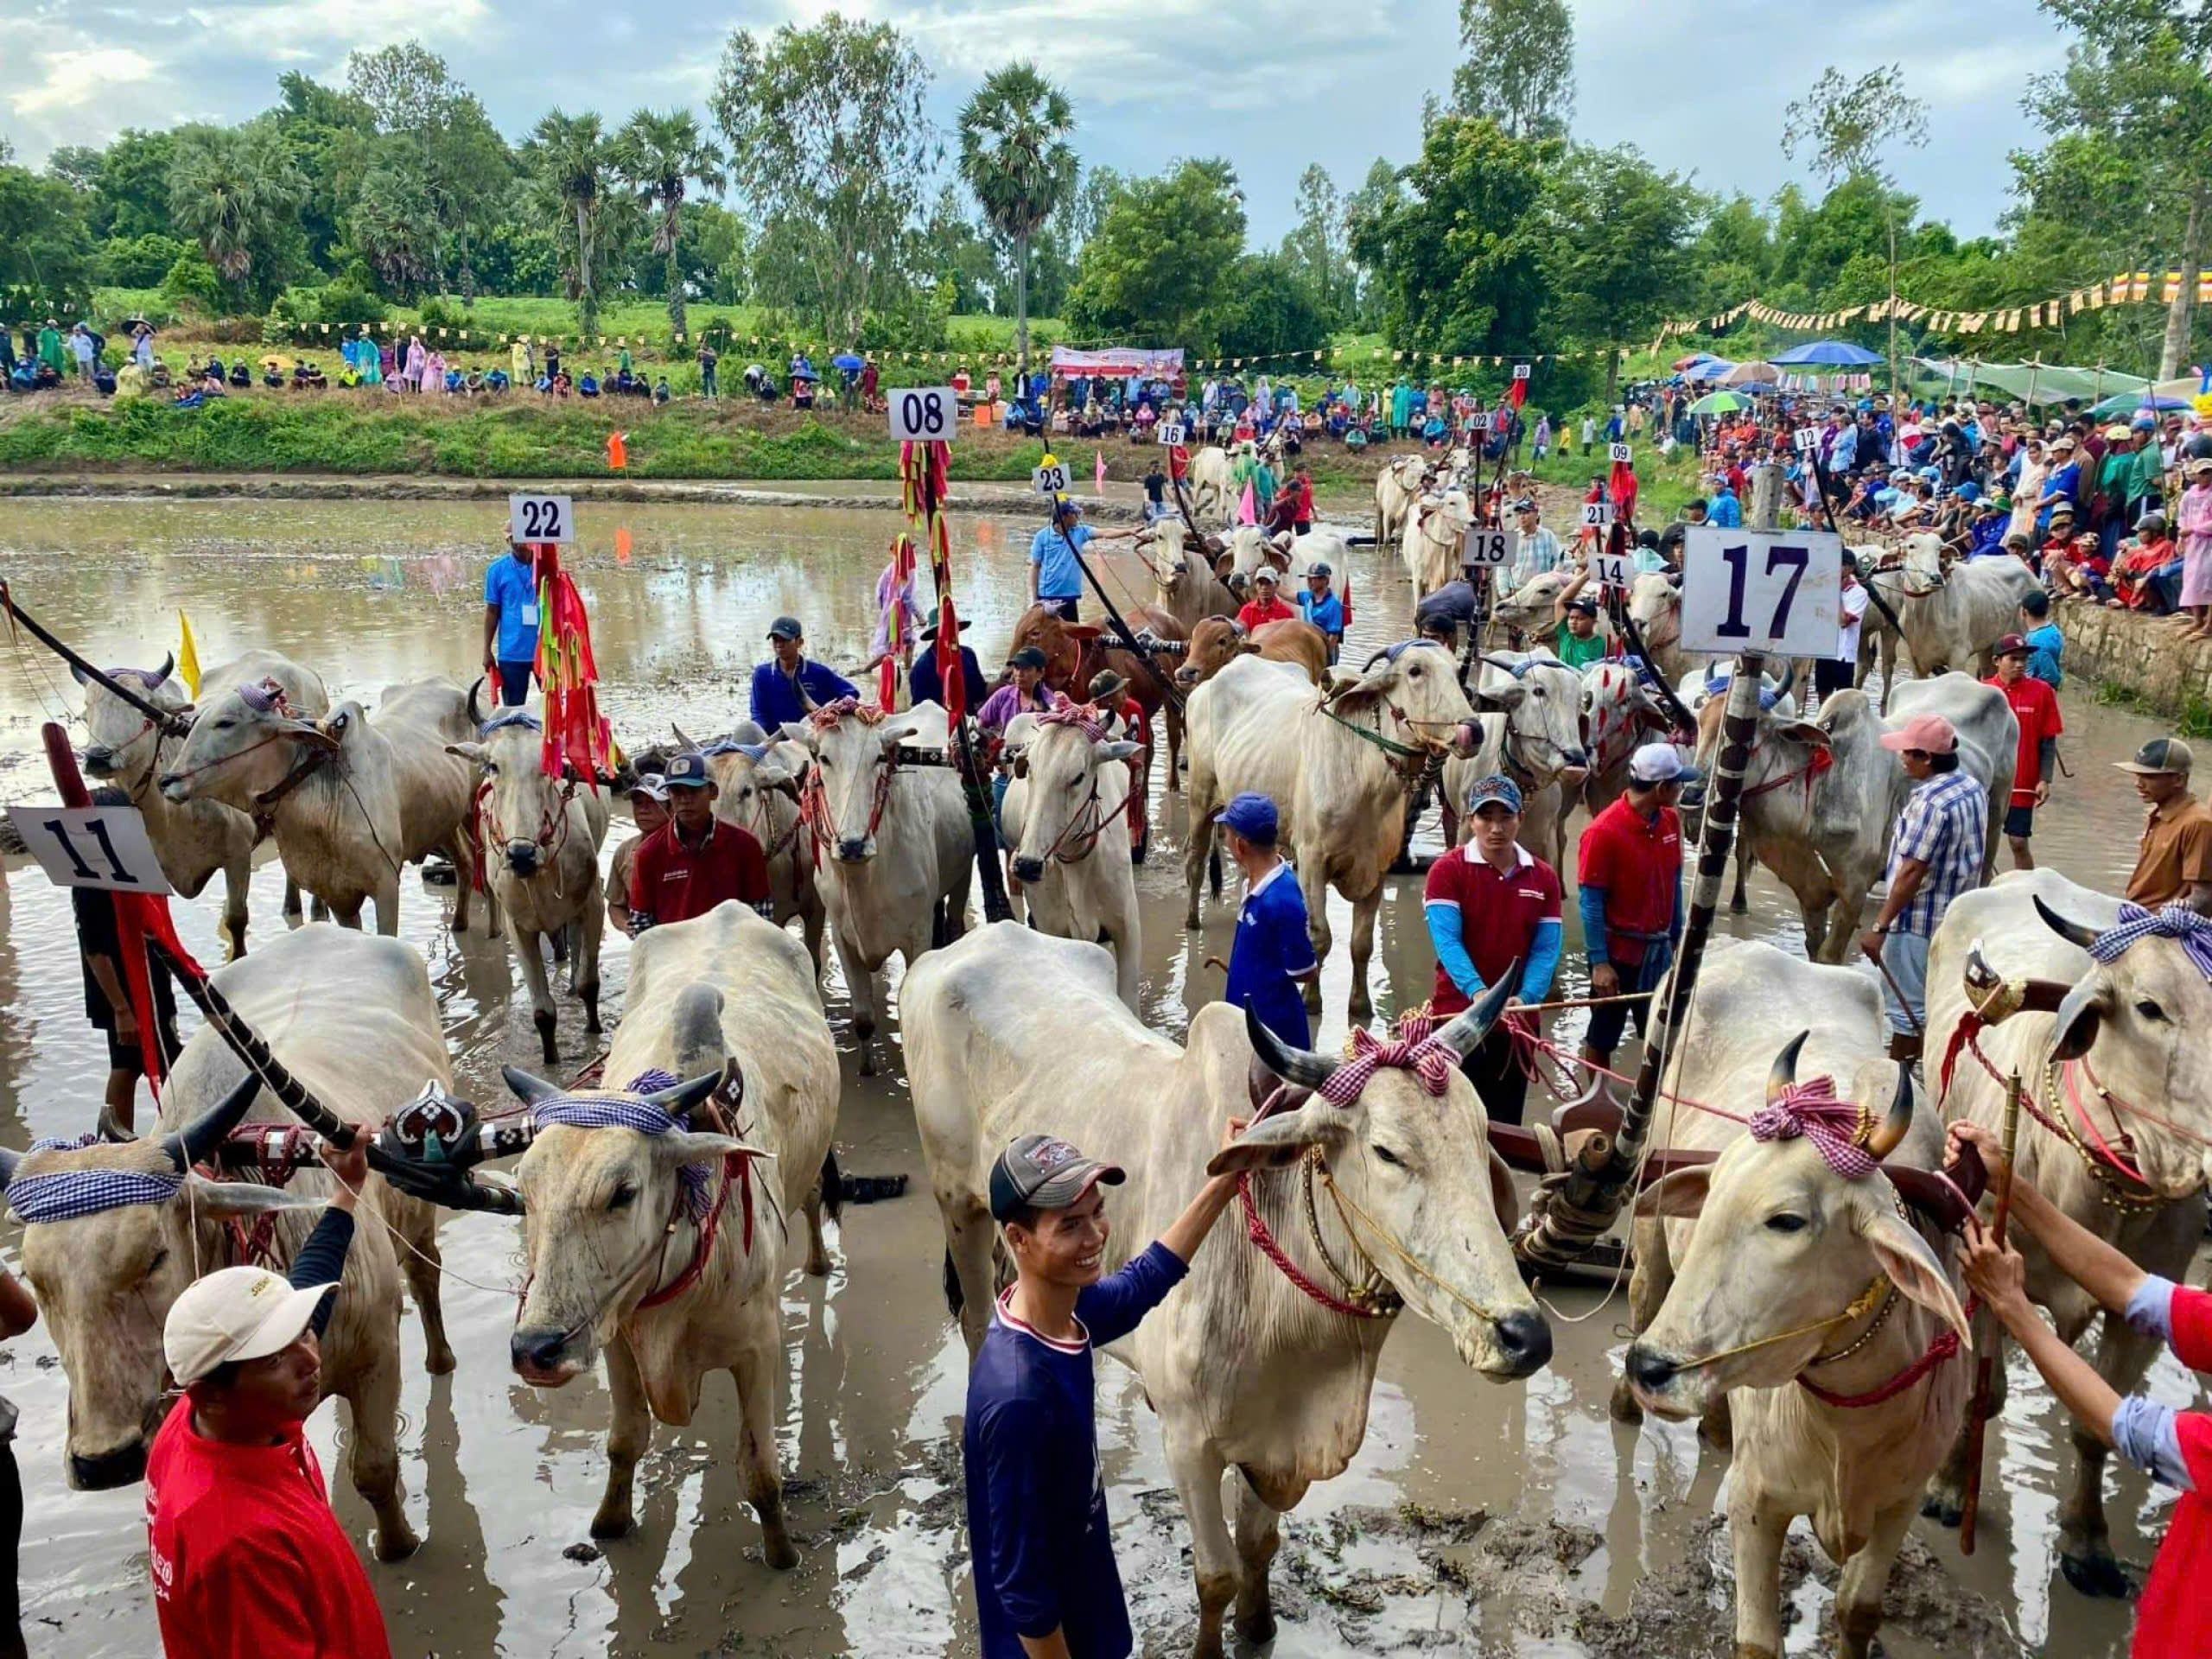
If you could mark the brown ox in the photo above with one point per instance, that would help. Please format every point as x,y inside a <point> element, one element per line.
<point>1075,654</point>
<point>1215,643</point>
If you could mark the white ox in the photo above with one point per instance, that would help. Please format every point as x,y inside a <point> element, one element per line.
<point>1530,609</point>
<point>1620,713</point>
<point>1435,540</point>
<point>1064,822</point>
<point>1397,486</point>
<point>1340,796</point>
<point>1531,723</point>
<point>2100,1040</point>
<point>1821,796</point>
<point>610,1243</point>
<point>1010,1032</point>
<point>1953,614</point>
<point>1774,1274</point>
<point>898,851</point>
<point>1295,556</point>
<point>354,1021</point>
<point>193,841</point>
<point>541,838</point>
<point>1211,499</point>
<point>1654,605</point>
<point>353,799</point>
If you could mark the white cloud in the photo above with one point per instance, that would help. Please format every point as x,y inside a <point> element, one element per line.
<point>77,77</point>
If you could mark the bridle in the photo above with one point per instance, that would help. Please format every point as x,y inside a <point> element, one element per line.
<point>552,827</point>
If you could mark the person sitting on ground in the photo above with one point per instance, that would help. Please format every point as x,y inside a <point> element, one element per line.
<point>694,861</point>
<point>2146,577</point>
<point>648,811</point>
<point>2173,1446</point>
<point>245,1554</point>
<point>1575,641</point>
<point>1266,605</point>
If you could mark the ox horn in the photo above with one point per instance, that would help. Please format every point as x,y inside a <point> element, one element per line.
<point>8,1162</point>
<point>1783,1075</point>
<point>1471,1027</point>
<point>1883,1138</point>
<point>1301,1066</point>
<point>78,675</point>
<point>111,1131</point>
<point>475,709</point>
<point>529,1088</point>
<point>1789,679</point>
<point>197,1141</point>
<point>683,736</point>
<point>2072,932</point>
<point>155,678</point>
<point>684,1097</point>
<point>1517,669</point>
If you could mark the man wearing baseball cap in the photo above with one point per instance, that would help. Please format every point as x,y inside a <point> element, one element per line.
<point>1629,890</point>
<point>2035,707</point>
<point>1274,952</point>
<point>788,686</point>
<point>1936,853</point>
<point>1042,1542</point>
<point>247,1557</point>
<point>1055,574</point>
<point>1493,907</point>
<point>2173,861</point>
<point>694,861</point>
<point>648,811</point>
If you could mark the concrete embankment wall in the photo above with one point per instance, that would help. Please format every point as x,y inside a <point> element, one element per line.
<point>2139,656</point>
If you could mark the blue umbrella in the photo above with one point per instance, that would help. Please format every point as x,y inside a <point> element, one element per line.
<point>2128,403</point>
<point>1712,369</point>
<point>1840,353</point>
<point>846,360</point>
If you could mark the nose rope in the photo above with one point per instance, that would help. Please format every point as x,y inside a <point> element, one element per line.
<point>1861,1305</point>
<point>1347,1208</point>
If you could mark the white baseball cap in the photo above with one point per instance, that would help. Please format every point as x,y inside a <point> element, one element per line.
<point>1661,763</point>
<point>237,1313</point>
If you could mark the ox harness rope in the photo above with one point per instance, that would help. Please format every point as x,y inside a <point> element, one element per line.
<point>1079,835</point>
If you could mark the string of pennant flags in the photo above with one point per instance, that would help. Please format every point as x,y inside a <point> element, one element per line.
<point>2127,287</point>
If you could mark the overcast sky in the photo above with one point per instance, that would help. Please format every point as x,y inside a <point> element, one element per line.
<point>1699,84</point>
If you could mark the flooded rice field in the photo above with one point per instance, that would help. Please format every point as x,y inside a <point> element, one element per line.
<point>1478,1518</point>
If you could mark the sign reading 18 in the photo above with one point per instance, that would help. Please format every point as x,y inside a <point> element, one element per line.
<point>1795,560</point>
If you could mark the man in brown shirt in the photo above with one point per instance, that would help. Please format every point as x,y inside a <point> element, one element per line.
<point>2175,863</point>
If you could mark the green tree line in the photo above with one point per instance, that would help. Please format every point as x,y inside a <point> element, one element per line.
<point>816,187</point>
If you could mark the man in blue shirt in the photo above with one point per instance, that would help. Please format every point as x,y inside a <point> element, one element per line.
<point>787,687</point>
<point>1321,607</point>
<point>510,623</point>
<point>2045,643</point>
<point>1722,508</point>
<point>1055,577</point>
<point>1042,1543</point>
<point>1274,952</point>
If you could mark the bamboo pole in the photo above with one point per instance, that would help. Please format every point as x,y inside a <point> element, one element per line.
<point>1985,1381</point>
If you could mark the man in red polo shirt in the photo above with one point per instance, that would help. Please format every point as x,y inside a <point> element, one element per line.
<point>1493,908</point>
<point>1629,887</point>
<point>693,861</point>
<point>2035,705</point>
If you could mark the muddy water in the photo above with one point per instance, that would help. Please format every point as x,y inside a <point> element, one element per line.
<point>1477,1518</point>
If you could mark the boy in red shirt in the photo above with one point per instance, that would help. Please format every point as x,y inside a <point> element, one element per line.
<point>694,861</point>
<point>2174,1616</point>
<point>246,1556</point>
<point>2035,706</point>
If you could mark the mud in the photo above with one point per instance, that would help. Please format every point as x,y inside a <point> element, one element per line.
<point>1476,1519</point>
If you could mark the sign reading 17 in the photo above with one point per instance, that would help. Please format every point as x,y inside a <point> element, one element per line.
<point>1794,560</point>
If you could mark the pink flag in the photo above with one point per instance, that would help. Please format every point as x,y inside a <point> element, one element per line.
<point>1248,511</point>
<point>1098,471</point>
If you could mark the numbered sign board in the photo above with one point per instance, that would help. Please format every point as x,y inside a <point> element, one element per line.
<point>1807,438</point>
<point>1597,515</point>
<point>533,518</point>
<point>1170,432</point>
<point>91,847</point>
<point>1489,549</point>
<point>1767,590</point>
<point>1520,371</point>
<point>1619,454</point>
<point>1612,570</point>
<point>926,413</point>
<point>1050,481</point>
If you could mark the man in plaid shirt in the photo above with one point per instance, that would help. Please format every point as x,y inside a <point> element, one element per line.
<point>1935,854</point>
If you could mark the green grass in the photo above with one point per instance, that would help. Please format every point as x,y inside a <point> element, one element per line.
<point>2194,718</point>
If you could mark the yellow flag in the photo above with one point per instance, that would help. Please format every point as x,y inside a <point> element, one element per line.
<point>187,656</point>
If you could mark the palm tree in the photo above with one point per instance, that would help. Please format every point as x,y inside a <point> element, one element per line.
<point>569,155</point>
<point>229,190</point>
<point>661,156</point>
<point>1015,155</point>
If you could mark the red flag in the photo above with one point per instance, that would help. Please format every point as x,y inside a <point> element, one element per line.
<point>1516,392</point>
<point>576,735</point>
<point>1620,484</point>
